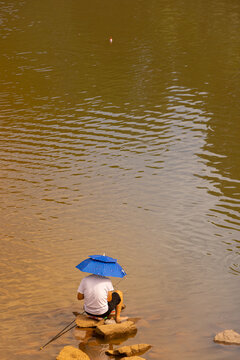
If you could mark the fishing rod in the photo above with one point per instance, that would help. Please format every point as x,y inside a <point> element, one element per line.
<point>62,332</point>
<point>119,281</point>
<point>58,335</point>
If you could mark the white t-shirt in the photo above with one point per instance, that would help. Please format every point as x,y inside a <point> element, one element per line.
<point>95,289</point>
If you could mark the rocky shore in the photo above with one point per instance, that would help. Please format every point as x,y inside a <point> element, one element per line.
<point>107,332</point>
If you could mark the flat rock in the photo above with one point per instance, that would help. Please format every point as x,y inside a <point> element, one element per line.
<point>84,321</point>
<point>129,351</point>
<point>109,321</point>
<point>228,337</point>
<point>112,331</point>
<point>70,353</point>
<point>133,358</point>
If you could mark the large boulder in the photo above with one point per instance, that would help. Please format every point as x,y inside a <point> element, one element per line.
<point>228,337</point>
<point>112,331</point>
<point>129,350</point>
<point>72,353</point>
<point>84,321</point>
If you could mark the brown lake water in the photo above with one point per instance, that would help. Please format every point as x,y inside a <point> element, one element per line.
<point>129,148</point>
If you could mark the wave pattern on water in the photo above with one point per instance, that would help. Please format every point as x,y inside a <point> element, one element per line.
<point>95,139</point>
<point>129,148</point>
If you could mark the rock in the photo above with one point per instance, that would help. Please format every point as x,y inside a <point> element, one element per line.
<point>83,321</point>
<point>133,358</point>
<point>109,321</point>
<point>228,337</point>
<point>129,350</point>
<point>112,331</point>
<point>70,353</point>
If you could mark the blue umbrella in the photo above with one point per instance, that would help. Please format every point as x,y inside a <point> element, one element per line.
<point>101,265</point>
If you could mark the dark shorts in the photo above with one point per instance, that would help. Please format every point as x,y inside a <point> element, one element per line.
<point>111,305</point>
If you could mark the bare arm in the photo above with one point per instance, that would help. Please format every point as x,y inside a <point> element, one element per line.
<point>80,296</point>
<point>109,298</point>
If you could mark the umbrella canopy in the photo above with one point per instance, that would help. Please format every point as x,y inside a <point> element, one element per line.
<point>101,265</point>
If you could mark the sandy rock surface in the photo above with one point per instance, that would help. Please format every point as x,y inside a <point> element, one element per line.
<point>84,321</point>
<point>70,353</point>
<point>112,331</point>
<point>129,350</point>
<point>133,358</point>
<point>228,337</point>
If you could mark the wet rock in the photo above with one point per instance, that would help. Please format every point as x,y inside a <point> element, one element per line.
<point>70,353</point>
<point>112,331</point>
<point>228,337</point>
<point>129,350</point>
<point>84,321</point>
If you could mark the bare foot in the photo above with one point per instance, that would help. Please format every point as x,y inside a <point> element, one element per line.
<point>121,319</point>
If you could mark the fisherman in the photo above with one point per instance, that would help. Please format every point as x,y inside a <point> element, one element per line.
<point>97,291</point>
<point>99,296</point>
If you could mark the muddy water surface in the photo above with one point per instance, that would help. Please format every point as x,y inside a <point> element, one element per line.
<point>129,148</point>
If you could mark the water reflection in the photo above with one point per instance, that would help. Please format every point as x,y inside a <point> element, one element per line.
<point>96,347</point>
